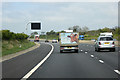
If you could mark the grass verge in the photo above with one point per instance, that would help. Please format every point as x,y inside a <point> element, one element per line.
<point>13,46</point>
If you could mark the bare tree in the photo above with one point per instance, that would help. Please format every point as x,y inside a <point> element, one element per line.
<point>85,29</point>
<point>70,28</point>
<point>76,28</point>
<point>79,29</point>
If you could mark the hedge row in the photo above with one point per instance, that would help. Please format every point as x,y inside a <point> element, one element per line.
<point>7,35</point>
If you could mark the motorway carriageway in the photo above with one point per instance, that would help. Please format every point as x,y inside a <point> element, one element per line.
<point>85,64</point>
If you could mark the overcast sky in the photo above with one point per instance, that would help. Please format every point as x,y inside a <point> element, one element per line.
<point>59,15</point>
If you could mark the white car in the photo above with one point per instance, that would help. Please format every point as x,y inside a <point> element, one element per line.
<point>54,41</point>
<point>105,42</point>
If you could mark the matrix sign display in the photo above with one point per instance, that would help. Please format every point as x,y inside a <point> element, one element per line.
<point>35,26</point>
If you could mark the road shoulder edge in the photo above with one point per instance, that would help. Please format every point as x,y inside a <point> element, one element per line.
<point>10,56</point>
<point>39,64</point>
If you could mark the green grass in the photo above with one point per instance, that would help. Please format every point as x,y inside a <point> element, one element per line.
<point>91,37</point>
<point>13,46</point>
<point>117,37</point>
<point>49,37</point>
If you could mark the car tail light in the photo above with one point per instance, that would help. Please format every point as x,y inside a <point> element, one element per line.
<point>113,43</point>
<point>76,47</point>
<point>62,48</point>
<point>99,43</point>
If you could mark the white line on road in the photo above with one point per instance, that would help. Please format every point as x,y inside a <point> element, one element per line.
<point>101,61</point>
<point>38,65</point>
<point>92,55</point>
<point>81,50</point>
<point>86,52</point>
<point>117,71</point>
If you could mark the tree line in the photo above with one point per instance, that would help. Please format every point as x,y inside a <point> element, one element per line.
<point>85,31</point>
<point>7,35</point>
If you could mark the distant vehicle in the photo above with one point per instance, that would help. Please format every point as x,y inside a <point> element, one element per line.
<point>54,41</point>
<point>93,40</point>
<point>105,42</point>
<point>81,37</point>
<point>106,34</point>
<point>36,38</point>
<point>69,41</point>
<point>46,40</point>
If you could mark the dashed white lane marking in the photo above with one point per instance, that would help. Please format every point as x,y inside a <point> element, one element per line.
<point>38,65</point>
<point>101,61</point>
<point>117,71</point>
<point>86,52</point>
<point>81,50</point>
<point>87,45</point>
<point>92,55</point>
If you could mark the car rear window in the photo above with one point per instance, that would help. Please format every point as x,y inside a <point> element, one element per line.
<point>106,39</point>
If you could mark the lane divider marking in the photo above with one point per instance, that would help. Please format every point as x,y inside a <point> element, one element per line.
<point>101,61</point>
<point>117,71</point>
<point>86,52</point>
<point>81,50</point>
<point>92,55</point>
<point>38,65</point>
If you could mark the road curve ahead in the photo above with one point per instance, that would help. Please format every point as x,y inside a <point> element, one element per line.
<point>85,64</point>
<point>19,66</point>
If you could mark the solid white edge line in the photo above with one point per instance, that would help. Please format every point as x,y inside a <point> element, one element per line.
<point>117,71</point>
<point>38,65</point>
<point>101,61</point>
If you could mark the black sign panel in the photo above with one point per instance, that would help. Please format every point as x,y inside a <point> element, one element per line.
<point>35,26</point>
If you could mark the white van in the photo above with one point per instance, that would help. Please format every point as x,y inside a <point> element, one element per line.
<point>106,34</point>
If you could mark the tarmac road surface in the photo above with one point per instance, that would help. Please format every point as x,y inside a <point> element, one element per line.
<point>85,64</point>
